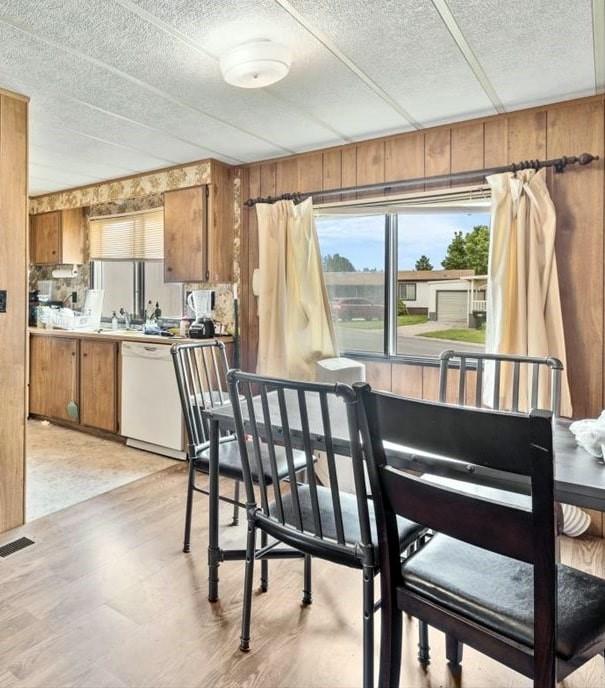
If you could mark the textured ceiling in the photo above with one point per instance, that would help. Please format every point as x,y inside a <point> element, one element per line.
<point>121,86</point>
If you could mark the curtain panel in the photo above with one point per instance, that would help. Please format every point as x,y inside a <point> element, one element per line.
<point>295,323</point>
<point>523,301</point>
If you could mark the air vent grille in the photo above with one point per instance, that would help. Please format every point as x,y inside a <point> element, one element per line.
<point>15,546</point>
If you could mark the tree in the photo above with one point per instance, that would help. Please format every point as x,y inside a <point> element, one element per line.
<point>476,244</point>
<point>468,251</point>
<point>423,263</point>
<point>455,257</point>
<point>337,263</point>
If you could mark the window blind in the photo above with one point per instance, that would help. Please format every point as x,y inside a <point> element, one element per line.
<point>132,236</point>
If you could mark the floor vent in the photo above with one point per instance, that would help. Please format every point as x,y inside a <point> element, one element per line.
<point>15,546</point>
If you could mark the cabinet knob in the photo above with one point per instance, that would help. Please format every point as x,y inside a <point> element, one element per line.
<point>85,355</point>
<point>168,268</point>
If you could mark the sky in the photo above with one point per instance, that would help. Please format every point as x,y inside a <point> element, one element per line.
<point>361,239</point>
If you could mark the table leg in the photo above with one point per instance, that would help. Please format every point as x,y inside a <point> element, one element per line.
<point>214,552</point>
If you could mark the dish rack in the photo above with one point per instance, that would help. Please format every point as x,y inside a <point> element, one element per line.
<point>67,319</point>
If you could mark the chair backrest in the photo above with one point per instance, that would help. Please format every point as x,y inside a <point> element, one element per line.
<point>506,442</point>
<point>506,371</point>
<point>287,417</point>
<point>201,375</point>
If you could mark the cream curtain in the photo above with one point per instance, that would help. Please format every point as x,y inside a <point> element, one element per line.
<point>523,302</point>
<point>295,323</point>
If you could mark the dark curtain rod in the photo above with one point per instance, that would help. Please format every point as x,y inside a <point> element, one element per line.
<point>558,163</point>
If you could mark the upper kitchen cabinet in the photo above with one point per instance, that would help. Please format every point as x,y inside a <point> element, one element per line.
<point>198,231</point>
<point>57,237</point>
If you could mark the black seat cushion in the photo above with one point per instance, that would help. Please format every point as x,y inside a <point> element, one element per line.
<point>230,463</point>
<point>408,530</point>
<point>497,592</point>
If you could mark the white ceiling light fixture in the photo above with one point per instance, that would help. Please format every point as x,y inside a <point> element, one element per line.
<point>256,64</point>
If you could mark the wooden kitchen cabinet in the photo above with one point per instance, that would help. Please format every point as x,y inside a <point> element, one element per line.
<point>53,376</point>
<point>99,384</point>
<point>198,231</point>
<point>57,237</point>
<point>185,235</point>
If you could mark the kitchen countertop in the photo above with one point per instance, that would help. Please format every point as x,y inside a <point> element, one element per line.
<point>120,335</point>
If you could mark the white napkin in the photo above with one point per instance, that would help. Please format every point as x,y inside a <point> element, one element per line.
<point>590,434</point>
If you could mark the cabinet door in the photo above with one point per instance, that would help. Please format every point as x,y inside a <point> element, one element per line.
<point>53,379</point>
<point>72,236</point>
<point>46,238</point>
<point>98,384</point>
<point>185,236</point>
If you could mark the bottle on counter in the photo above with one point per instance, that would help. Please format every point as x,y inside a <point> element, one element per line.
<point>184,326</point>
<point>114,321</point>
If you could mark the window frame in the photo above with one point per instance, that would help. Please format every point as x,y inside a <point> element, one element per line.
<point>407,283</point>
<point>138,289</point>
<point>389,353</point>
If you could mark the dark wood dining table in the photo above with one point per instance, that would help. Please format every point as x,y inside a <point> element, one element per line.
<point>579,476</point>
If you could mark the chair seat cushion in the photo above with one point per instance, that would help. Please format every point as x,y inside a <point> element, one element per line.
<point>497,592</point>
<point>408,530</point>
<point>230,463</point>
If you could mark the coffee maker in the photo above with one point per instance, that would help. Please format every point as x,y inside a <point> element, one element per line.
<point>201,302</point>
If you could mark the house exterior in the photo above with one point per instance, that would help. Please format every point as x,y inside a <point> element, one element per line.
<point>454,297</point>
<point>415,287</point>
<point>458,302</point>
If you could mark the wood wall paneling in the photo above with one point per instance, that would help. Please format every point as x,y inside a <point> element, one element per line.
<point>404,157</point>
<point>332,169</point>
<point>437,152</point>
<point>526,139</point>
<point>578,197</point>
<point>467,147</point>
<point>370,162</point>
<point>310,173</point>
<point>13,278</point>
<point>406,380</point>
<point>495,142</point>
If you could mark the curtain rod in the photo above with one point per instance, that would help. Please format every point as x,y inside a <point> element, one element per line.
<point>558,163</point>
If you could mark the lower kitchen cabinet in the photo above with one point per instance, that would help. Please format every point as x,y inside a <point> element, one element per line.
<point>99,384</point>
<point>54,377</point>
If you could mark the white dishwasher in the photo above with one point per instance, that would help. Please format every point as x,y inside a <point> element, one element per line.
<point>151,409</point>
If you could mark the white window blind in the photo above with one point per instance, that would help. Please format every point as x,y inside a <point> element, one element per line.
<point>132,236</point>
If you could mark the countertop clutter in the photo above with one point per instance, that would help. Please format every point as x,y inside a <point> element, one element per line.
<point>118,335</point>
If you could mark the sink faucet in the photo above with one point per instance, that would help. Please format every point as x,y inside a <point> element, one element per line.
<point>126,318</point>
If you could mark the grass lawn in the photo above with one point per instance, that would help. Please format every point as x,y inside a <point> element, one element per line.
<point>469,335</point>
<point>402,320</point>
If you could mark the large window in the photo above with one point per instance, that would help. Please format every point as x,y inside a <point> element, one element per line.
<point>127,263</point>
<point>409,278</point>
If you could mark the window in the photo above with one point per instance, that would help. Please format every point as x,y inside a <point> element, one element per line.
<point>127,263</point>
<point>353,249</point>
<point>407,291</point>
<point>408,278</point>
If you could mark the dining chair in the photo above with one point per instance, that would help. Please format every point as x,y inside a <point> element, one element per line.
<point>201,374</point>
<point>543,376</point>
<point>313,519</point>
<point>489,577</point>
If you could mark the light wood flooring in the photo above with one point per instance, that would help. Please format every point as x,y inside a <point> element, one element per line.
<point>66,466</point>
<point>105,598</point>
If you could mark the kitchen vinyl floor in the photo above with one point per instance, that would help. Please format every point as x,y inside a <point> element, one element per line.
<point>105,598</point>
<point>65,467</point>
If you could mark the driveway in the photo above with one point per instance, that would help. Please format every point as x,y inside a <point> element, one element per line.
<point>408,341</point>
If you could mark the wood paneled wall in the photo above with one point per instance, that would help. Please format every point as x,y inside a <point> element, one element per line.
<point>13,279</point>
<point>551,131</point>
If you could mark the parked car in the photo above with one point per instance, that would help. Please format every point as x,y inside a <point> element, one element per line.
<point>355,307</point>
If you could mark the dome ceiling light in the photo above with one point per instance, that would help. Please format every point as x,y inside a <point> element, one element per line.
<point>256,64</point>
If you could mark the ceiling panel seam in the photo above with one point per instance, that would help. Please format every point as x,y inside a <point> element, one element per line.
<point>598,42</point>
<point>139,82</point>
<point>352,66</point>
<point>186,40</point>
<point>107,142</point>
<point>63,169</point>
<point>451,24</point>
<point>138,123</point>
